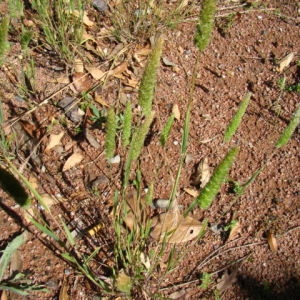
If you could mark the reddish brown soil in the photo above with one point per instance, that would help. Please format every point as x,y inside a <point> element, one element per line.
<point>242,59</point>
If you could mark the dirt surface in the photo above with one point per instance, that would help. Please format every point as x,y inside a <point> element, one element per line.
<point>242,57</point>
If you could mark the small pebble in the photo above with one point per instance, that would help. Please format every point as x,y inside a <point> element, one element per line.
<point>115,160</point>
<point>100,5</point>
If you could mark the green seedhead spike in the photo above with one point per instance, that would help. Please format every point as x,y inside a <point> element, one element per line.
<point>146,90</point>
<point>205,24</point>
<point>111,129</point>
<point>237,118</point>
<point>289,130</point>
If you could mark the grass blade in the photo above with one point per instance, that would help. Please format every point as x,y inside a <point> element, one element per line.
<point>111,129</point>
<point>166,130</point>
<point>237,118</point>
<point>9,251</point>
<point>4,45</point>
<point>127,125</point>
<point>68,233</point>
<point>289,130</point>
<point>212,188</point>
<point>45,230</point>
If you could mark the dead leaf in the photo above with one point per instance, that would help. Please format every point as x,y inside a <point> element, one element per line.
<point>100,100</point>
<point>235,230</point>
<point>78,66</point>
<point>96,73</point>
<point>81,82</point>
<point>145,260</point>
<point>167,62</point>
<point>192,192</point>
<point>54,140</point>
<point>175,227</point>
<point>176,112</point>
<point>73,160</point>
<point>202,174</point>
<point>285,62</point>
<point>227,280</point>
<point>4,295</point>
<point>132,83</point>
<point>119,69</point>
<point>91,139</point>
<point>63,293</point>
<point>85,19</point>
<point>272,242</point>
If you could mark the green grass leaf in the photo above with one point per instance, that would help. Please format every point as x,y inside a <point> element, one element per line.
<point>237,118</point>
<point>45,230</point>
<point>111,130</point>
<point>289,130</point>
<point>127,125</point>
<point>166,130</point>
<point>4,45</point>
<point>9,251</point>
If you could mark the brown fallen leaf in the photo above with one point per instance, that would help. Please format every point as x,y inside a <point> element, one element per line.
<point>100,100</point>
<point>272,242</point>
<point>202,174</point>
<point>91,139</point>
<point>175,227</point>
<point>54,140</point>
<point>63,293</point>
<point>96,73</point>
<point>227,280</point>
<point>72,161</point>
<point>235,230</point>
<point>191,192</point>
<point>85,19</point>
<point>81,82</point>
<point>176,112</point>
<point>285,62</point>
<point>119,69</point>
<point>78,66</point>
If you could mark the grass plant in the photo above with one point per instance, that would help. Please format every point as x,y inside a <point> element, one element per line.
<point>205,24</point>
<point>147,86</point>
<point>4,45</point>
<point>166,130</point>
<point>211,189</point>
<point>111,129</point>
<point>237,118</point>
<point>61,22</point>
<point>289,130</point>
<point>127,125</point>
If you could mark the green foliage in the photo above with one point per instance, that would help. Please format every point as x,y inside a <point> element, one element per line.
<point>111,130</point>
<point>16,8</point>
<point>136,145</point>
<point>293,88</point>
<point>206,281</point>
<point>147,86</point>
<point>237,118</point>
<point>212,188</point>
<point>4,45</point>
<point>61,22</point>
<point>231,225</point>
<point>205,24</point>
<point>25,38</point>
<point>239,189</point>
<point>9,251</point>
<point>127,124</point>
<point>166,130</point>
<point>289,130</point>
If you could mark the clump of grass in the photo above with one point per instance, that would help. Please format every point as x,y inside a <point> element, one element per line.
<point>16,8</point>
<point>61,22</point>
<point>212,188</point>
<point>4,45</point>
<point>237,118</point>
<point>205,24</point>
<point>166,130</point>
<point>111,129</point>
<point>147,86</point>
<point>289,130</point>
<point>127,125</point>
